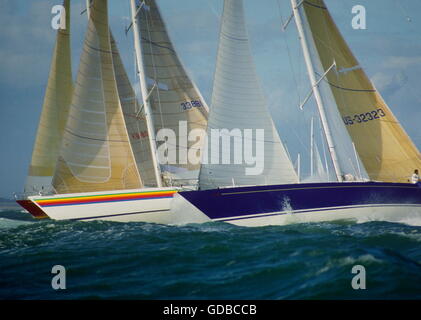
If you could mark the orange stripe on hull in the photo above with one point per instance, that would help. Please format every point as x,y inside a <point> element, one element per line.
<point>98,199</point>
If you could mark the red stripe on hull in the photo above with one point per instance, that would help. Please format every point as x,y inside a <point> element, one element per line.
<point>111,199</point>
<point>32,208</point>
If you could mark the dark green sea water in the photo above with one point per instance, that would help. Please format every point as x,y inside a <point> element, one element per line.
<point>106,260</point>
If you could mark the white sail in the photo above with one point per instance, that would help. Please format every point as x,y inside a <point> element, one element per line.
<point>320,170</point>
<point>176,103</point>
<point>319,173</point>
<point>54,114</point>
<point>317,170</point>
<point>238,104</point>
<point>96,153</point>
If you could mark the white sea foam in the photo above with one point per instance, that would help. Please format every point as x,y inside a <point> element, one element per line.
<point>412,221</point>
<point>348,261</point>
<point>408,218</point>
<point>410,235</point>
<point>9,223</point>
<point>365,258</point>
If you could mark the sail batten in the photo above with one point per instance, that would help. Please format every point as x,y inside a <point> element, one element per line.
<point>386,151</point>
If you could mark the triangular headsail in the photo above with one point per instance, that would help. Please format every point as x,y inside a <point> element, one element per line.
<point>135,119</point>
<point>96,151</point>
<point>386,151</point>
<point>238,104</point>
<point>176,103</point>
<point>54,114</point>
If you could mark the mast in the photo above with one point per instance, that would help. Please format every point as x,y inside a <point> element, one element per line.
<point>88,8</point>
<point>145,94</point>
<point>315,88</point>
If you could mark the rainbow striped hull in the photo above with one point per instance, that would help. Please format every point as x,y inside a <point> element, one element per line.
<point>144,205</point>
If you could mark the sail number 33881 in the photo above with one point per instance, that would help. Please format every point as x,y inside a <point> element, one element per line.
<point>191,104</point>
<point>364,117</point>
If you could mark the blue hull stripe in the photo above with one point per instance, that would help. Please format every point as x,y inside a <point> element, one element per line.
<point>238,202</point>
<point>119,214</point>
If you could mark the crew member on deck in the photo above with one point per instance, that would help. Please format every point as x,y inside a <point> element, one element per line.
<point>415,177</point>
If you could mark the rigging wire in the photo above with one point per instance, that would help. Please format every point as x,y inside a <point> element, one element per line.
<point>214,11</point>
<point>293,71</point>
<point>413,92</point>
<point>407,16</point>
<point>289,53</point>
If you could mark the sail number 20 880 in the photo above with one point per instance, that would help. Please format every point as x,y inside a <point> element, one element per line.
<point>364,117</point>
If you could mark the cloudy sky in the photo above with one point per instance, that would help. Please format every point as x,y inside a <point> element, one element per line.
<point>389,50</point>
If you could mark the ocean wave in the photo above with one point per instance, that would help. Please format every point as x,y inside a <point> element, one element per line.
<point>208,261</point>
<point>10,223</point>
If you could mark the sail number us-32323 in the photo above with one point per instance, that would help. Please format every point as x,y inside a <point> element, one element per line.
<point>364,117</point>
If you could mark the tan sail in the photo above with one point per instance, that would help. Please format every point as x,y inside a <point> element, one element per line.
<point>135,120</point>
<point>54,113</point>
<point>96,154</point>
<point>386,151</point>
<point>174,98</point>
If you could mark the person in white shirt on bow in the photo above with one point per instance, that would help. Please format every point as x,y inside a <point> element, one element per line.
<point>415,178</point>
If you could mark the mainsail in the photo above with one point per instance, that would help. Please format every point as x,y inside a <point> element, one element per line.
<point>54,114</point>
<point>96,153</point>
<point>176,103</point>
<point>386,151</point>
<point>238,103</point>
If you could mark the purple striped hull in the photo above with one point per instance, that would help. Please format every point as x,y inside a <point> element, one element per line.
<point>229,204</point>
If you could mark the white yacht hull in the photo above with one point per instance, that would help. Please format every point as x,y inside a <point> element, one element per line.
<point>143,205</point>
